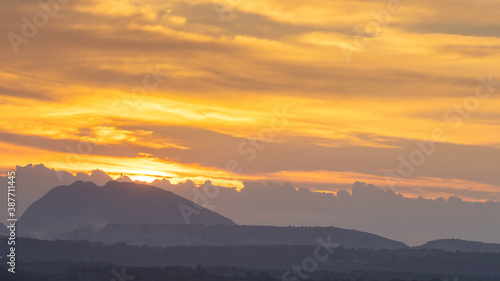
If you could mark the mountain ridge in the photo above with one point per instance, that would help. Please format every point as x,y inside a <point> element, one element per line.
<point>237,235</point>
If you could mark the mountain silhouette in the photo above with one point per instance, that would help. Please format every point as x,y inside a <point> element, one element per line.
<point>84,204</point>
<point>236,235</point>
<point>453,245</point>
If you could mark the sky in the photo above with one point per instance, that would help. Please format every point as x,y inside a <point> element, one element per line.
<point>318,93</point>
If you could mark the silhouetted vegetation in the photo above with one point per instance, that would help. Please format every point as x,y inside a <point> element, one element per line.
<point>104,272</point>
<point>83,260</point>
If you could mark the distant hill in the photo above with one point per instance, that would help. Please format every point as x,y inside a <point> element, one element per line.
<point>194,235</point>
<point>453,245</point>
<point>84,204</point>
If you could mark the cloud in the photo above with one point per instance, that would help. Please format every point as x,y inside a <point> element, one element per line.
<point>22,93</point>
<point>365,207</point>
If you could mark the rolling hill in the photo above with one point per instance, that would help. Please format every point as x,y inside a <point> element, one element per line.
<point>453,245</point>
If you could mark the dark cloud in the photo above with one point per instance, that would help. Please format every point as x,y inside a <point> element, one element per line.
<point>22,93</point>
<point>457,28</point>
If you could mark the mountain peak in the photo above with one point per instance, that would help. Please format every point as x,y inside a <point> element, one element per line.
<point>114,183</point>
<point>80,183</point>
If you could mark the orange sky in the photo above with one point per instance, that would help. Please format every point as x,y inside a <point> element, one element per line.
<point>333,107</point>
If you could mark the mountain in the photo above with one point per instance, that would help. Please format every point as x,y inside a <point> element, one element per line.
<point>224,235</point>
<point>453,245</point>
<point>84,204</point>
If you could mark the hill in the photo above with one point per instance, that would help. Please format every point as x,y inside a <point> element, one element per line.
<point>223,235</point>
<point>453,245</point>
